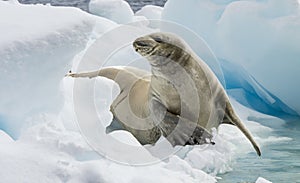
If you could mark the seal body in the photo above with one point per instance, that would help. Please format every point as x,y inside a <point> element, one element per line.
<point>180,99</point>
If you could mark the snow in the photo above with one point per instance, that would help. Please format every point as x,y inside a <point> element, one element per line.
<point>117,10</point>
<point>63,149</point>
<point>70,159</point>
<point>268,31</point>
<point>37,106</point>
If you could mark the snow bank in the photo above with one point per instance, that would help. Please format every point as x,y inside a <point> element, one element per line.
<point>116,10</point>
<point>35,54</point>
<point>261,36</point>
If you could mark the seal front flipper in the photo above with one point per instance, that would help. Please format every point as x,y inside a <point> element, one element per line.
<point>83,74</point>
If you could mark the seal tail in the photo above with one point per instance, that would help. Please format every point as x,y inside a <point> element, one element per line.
<point>232,118</point>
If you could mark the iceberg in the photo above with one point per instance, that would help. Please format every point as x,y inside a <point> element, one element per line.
<point>268,31</point>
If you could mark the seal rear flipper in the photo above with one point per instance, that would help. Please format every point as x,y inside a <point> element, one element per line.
<point>234,119</point>
<point>181,131</point>
<point>114,125</point>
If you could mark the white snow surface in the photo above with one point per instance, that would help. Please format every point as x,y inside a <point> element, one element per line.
<point>36,106</point>
<point>267,30</point>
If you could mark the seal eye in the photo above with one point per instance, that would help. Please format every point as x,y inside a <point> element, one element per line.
<point>158,39</point>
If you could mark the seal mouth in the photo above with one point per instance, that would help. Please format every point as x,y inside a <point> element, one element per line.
<point>144,47</point>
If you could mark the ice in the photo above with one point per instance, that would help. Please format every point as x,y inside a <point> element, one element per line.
<point>116,10</point>
<point>4,138</point>
<point>262,180</point>
<point>246,90</point>
<point>268,31</point>
<point>151,12</point>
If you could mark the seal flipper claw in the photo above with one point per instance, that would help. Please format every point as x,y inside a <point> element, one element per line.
<point>179,130</point>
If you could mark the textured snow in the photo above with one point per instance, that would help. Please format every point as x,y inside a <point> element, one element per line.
<point>268,31</point>
<point>48,153</point>
<point>35,54</point>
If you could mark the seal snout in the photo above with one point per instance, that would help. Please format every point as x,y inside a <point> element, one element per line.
<point>144,45</point>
